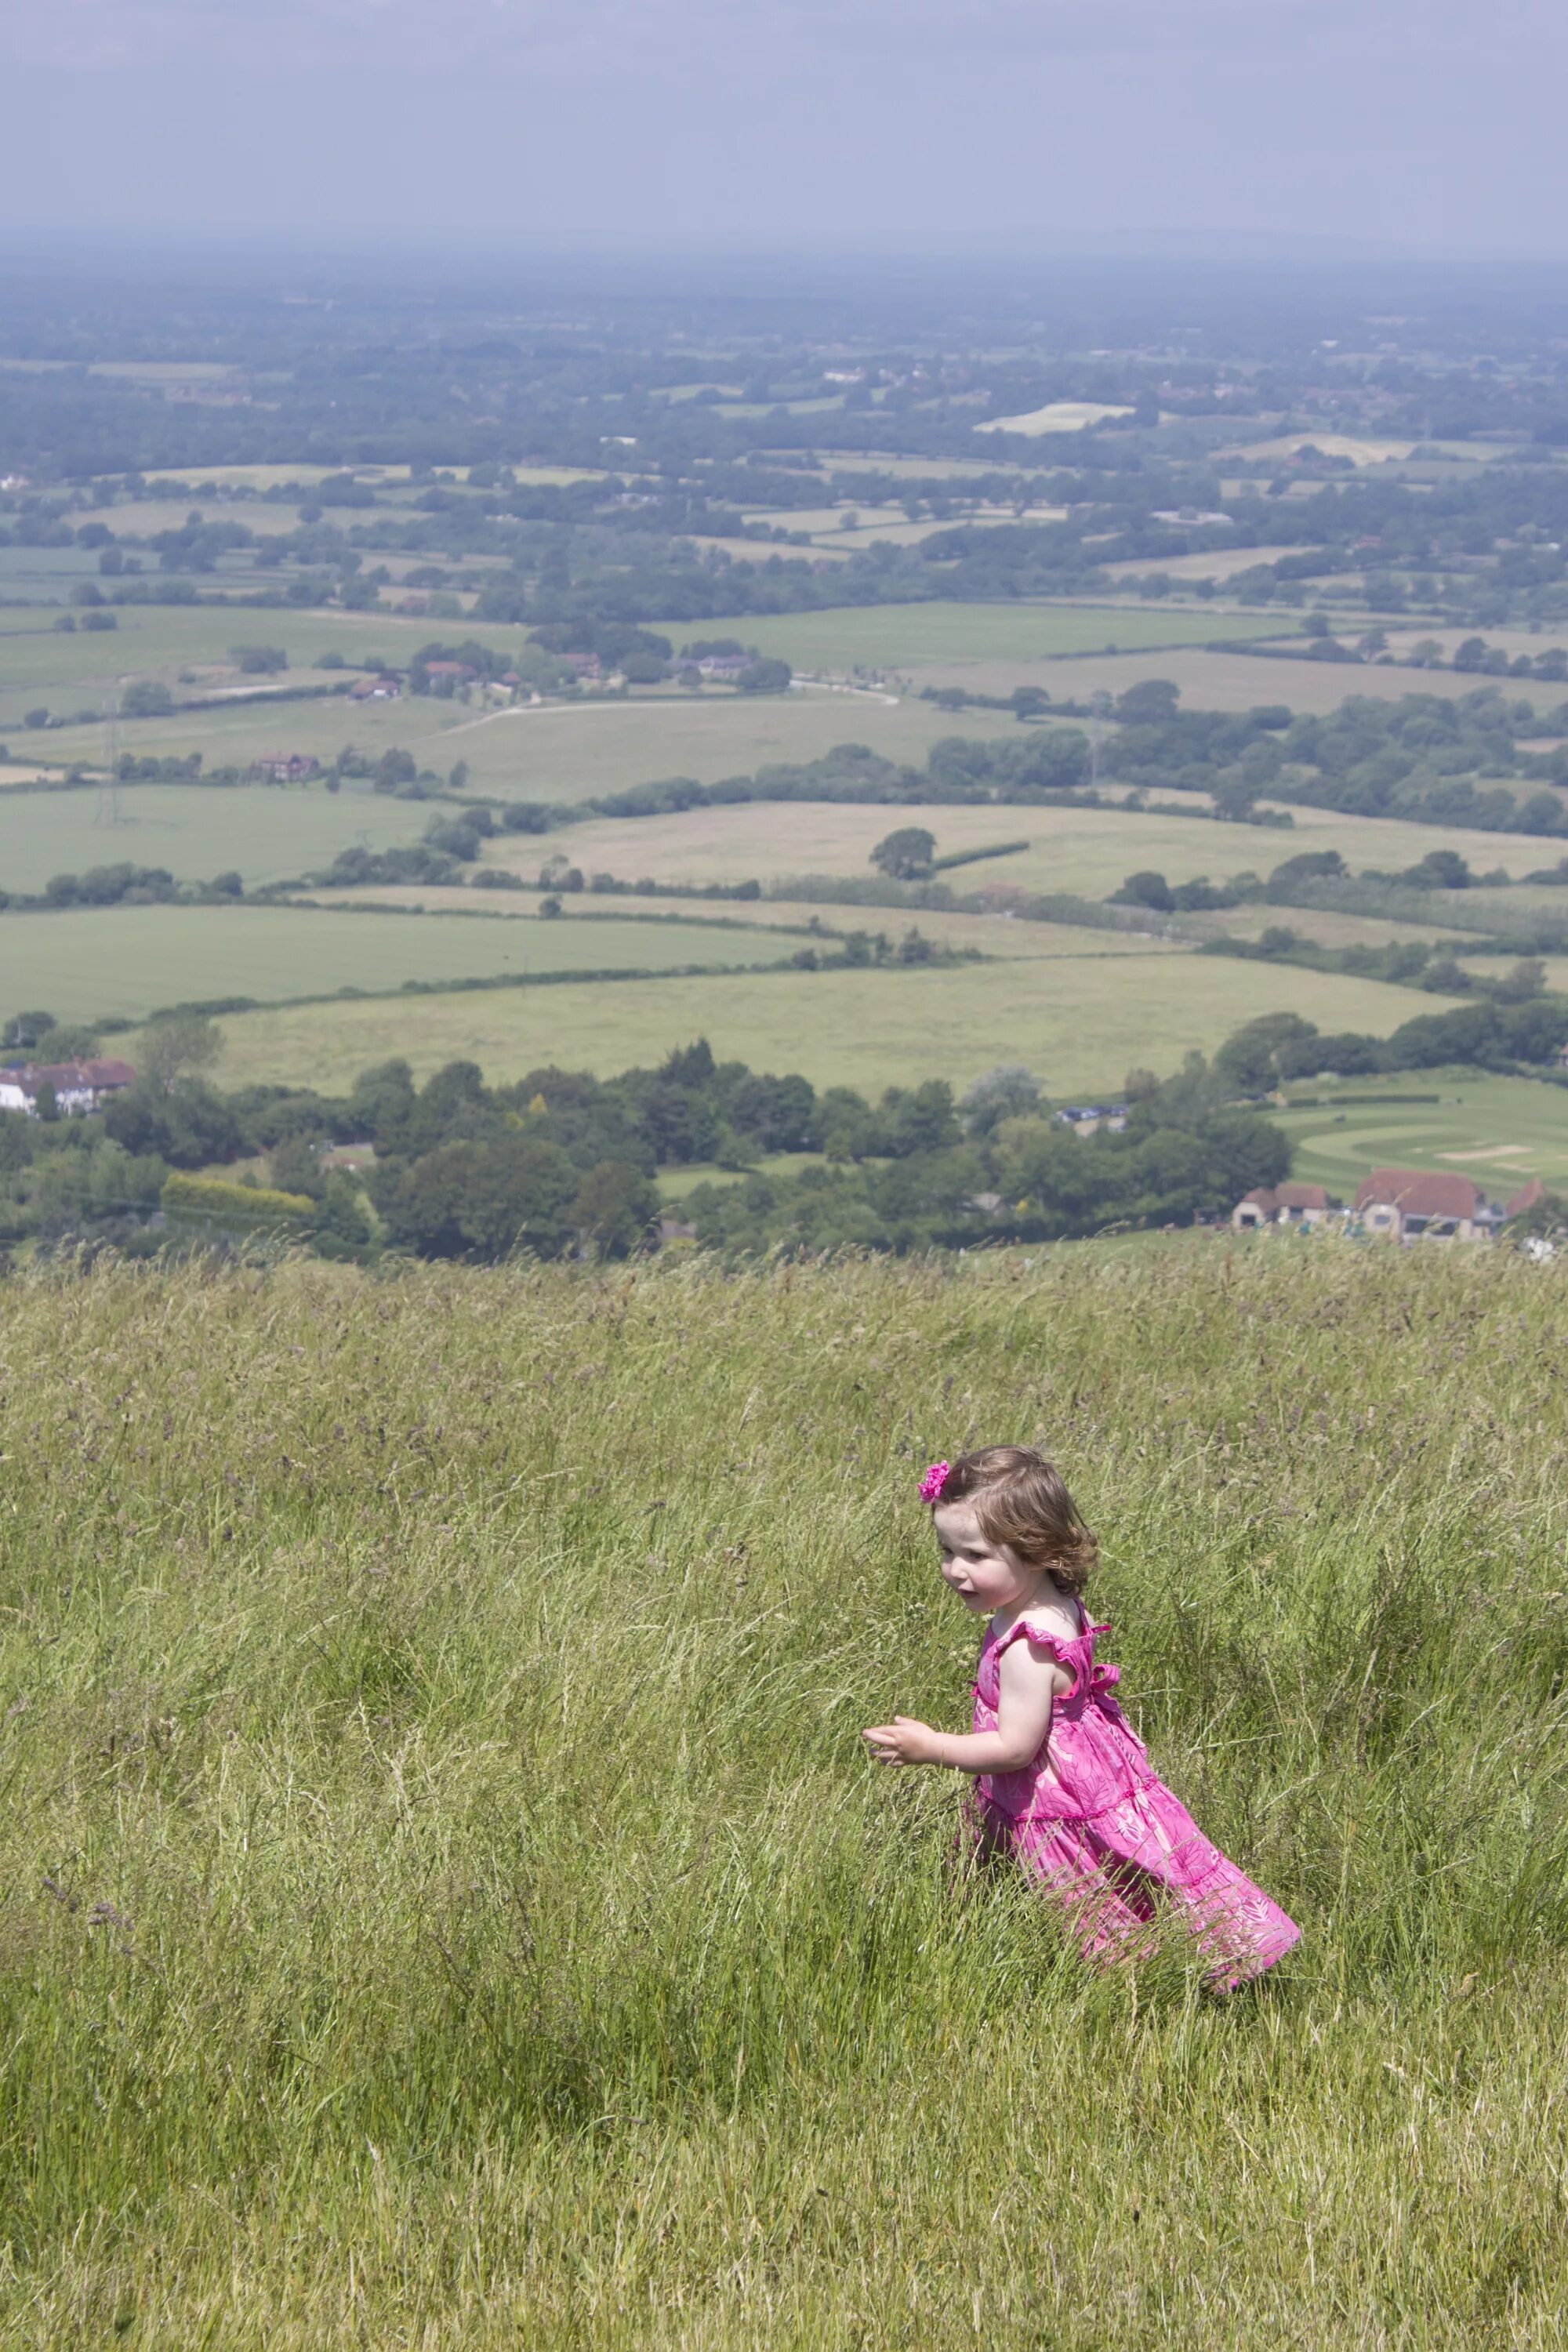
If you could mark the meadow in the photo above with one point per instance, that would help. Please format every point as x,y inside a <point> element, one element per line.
<point>265,832</point>
<point>41,664</point>
<point>1079,1021</point>
<point>1499,1130</point>
<point>444,1899</point>
<point>129,961</point>
<point>904,636</point>
<point>1015,941</point>
<point>1214,680</point>
<point>559,752</point>
<point>1087,850</point>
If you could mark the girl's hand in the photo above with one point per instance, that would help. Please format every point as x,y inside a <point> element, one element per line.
<point>904,1741</point>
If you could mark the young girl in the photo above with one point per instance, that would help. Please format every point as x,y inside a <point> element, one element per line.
<point>1063,1780</point>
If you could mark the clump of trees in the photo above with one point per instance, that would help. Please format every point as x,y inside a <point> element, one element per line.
<point>562,1163</point>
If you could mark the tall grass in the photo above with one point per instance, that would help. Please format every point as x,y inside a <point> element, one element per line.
<point>443,1900</point>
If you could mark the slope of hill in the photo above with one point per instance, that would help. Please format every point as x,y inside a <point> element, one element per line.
<point>445,1897</point>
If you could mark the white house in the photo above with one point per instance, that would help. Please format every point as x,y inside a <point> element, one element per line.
<point>78,1086</point>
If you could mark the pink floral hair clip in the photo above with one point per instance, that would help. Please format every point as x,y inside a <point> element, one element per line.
<point>935,1480</point>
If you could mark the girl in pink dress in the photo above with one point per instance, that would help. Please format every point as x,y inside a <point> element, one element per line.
<point>1062,1780</point>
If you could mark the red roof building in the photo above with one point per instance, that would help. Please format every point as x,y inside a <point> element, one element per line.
<point>1281,1204</point>
<point>76,1086</point>
<point>1402,1202</point>
<point>1533,1196</point>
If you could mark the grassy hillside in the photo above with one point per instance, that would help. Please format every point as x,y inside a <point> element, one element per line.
<point>444,1898</point>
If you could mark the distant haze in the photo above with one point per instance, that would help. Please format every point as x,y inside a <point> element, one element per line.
<point>1421,125</point>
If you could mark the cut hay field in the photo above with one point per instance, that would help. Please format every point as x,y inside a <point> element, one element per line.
<point>129,961</point>
<point>1499,1132</point>
<point>443,1899</point>
<point>1079,1023</point>
<point>267,833</point>
<point>906,636</point>
<point>558,751</point>
<point>1090,851</point>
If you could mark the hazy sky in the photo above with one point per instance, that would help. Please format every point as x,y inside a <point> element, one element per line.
<point>800,123</point>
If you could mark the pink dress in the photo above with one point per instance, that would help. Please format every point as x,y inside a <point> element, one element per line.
<point>1090,1819</point>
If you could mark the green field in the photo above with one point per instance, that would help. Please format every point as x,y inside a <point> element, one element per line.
<point>129,961</point>
<point>445,1900</point>
<point>1208,680</point>
<point>560,752</point>
<point>1079,1023</point>
<point>899,636</point>
<point>39,665</point>
<point>1025,942</point>
<point>1497,1130</point>
<point>267,833</point>
<point>1090,851</point>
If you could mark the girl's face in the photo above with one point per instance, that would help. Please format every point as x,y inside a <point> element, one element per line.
<point>985,1575</point>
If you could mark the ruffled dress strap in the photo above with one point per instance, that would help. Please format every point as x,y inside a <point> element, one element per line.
<point>1073,1653</point>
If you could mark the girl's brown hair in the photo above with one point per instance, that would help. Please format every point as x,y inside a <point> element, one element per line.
<point>1021,1499</point>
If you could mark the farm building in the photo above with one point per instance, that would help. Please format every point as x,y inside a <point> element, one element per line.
<point>1281,1204</point>
<point>78,1086</point>
<point>384,688</point>
<point>286,767</point>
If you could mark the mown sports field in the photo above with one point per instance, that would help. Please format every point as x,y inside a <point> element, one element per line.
<point>1499,1130</point>
<point>445,1900</point>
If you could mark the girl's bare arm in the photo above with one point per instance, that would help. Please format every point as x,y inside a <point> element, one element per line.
<point>1030,1682</point>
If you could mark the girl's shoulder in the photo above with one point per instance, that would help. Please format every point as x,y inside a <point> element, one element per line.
<point>1054,1625</point>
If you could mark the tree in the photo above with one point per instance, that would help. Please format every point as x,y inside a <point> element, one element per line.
<point>1255,1057</point>
<point>485,1200</point>
<point>258,661</point>
<point>1009,1091</point>
<point>146,697</point>
<point>1150,703</point>
<point>906,855</point>
<point>180,1042</point>
<point>394,768</point>
<point>764,675</point>
<point>1440,870</point>
<point>614,1208</point>
<point>1145,888</point>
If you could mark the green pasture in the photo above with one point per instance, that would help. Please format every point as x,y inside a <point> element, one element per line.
<point>40,665</point>
<point>267,833</point>
<point>1025,942</point>
<point>1079,1023</point>
<point>129,961</point>
<point>1497,1130</point>
<point>558,752</point>
<point>902,637</point>
<point>444,1899</point>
